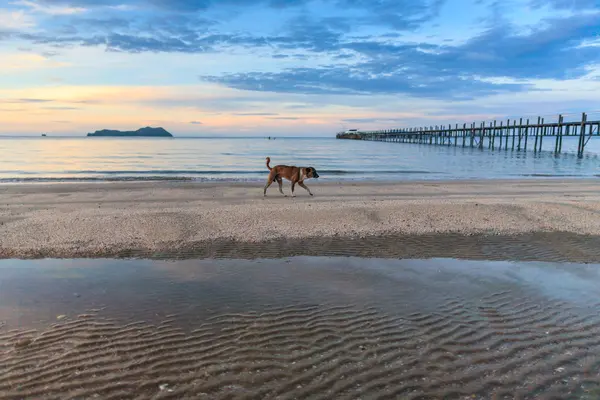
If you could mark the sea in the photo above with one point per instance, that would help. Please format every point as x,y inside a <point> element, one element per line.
<point>81,159</point>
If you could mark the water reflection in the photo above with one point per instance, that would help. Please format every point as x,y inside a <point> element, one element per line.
<point>35,292</point>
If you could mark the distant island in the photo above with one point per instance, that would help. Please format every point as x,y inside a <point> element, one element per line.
<point>142,132</point>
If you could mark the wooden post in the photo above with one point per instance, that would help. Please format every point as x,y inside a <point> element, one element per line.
<point>568,128</point>
<point>581,136</point>
<point>507,134</point>
<point>558,134</point>
<point>500,131</point>
<point>520,134</point>
<point>526,134</point>
<point>542,133</point>
<point>537,132</point>
<point>513,135</point>
<point>456,135</point>
<point>464,135</point>
<point>472,134</point>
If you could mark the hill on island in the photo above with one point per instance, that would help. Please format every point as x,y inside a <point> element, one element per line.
<point>142,132</point>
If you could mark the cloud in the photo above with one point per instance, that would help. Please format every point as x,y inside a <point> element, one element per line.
<point>398,14</point>
<point>13,109</point>
<point>590,43</point>
<point>360,80</point>
<point>18,101</point>
<point>49,9</point>
<point>65,108</point>
<point>83,3</point>
<point>566,4</point>
<point>286,118</point>
<point>371,120</point>
<point>19,62</point>
<point>462,71</point>
<point>255,114</point>
<point>181,41</point>
<point>297,106</point>
<point>175,29</point>
<point>195,122</point>
<point>14,20</point>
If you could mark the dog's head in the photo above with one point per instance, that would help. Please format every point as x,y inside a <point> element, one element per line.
<point>311,172</point>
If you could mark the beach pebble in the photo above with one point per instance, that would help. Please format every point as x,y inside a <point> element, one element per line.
<point>23,343</point>
<point>165,386</point>
<point>60,317</point>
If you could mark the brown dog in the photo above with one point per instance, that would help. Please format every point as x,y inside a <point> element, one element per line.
<point>292,174</point>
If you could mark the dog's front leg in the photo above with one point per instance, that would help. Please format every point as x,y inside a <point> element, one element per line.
<point>302,185</point>
<point>293,185</point>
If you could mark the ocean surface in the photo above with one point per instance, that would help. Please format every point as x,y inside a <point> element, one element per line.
<point>73,159</point>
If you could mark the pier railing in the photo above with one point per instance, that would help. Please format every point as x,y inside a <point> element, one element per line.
<point>515,135</point>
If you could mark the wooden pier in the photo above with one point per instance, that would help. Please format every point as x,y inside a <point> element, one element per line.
<point>513,135</point>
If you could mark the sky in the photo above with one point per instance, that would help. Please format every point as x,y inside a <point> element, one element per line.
<point>292,67</point>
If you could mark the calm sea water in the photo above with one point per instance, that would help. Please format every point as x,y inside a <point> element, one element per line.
<point>231,159</point>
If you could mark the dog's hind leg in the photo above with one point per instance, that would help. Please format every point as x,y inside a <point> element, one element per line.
<point>302,185</point>
<point>269,181</point>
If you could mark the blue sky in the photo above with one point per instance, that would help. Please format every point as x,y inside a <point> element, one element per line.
<point>292,67</point>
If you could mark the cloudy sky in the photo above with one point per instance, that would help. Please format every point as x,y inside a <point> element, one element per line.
<point>243,67</point>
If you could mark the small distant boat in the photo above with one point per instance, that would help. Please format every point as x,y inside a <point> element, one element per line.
<point>43,134</point>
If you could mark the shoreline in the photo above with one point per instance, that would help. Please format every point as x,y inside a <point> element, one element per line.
<point>232,220</point>
<point>252,181</point>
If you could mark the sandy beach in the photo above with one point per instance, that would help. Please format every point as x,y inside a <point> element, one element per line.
<point>240,309</point>
<point>166,219</point>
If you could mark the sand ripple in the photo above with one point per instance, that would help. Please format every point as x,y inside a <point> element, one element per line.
<point>504,345</point>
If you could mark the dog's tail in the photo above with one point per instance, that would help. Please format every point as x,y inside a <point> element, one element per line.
<point>268,162</point>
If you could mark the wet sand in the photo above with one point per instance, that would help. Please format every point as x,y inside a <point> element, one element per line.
<point>422,219</point>
<point>322,328</point>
